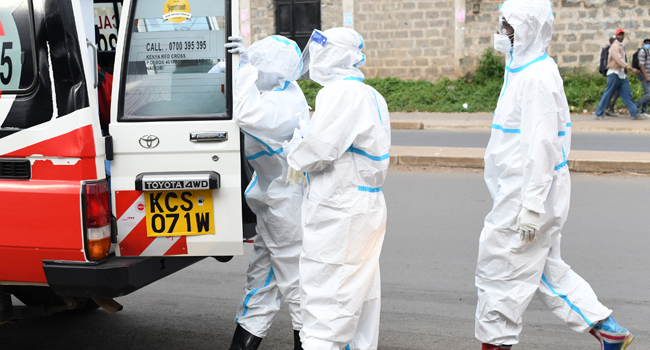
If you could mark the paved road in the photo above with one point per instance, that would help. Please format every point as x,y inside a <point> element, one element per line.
<point>428,265</point>
<point>580,141</point>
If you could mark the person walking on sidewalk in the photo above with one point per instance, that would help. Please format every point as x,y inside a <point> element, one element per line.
<point>644,75</point>
<point>609,111</point>
<point>527,176</point>
<point>617,79</point>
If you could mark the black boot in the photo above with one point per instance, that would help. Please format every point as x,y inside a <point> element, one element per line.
<point>244,340</point>
<point>297,344</point>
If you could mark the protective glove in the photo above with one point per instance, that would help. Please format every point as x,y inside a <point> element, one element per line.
<point>237,46</point>
<point>528,225</point>
<point>293,176</point>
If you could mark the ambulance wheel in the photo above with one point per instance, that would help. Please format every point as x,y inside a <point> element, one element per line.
<point>223,259</point>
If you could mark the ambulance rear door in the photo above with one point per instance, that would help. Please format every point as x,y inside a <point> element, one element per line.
<point>176,170</point>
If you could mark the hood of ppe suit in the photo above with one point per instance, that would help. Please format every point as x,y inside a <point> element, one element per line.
<point>277,60</point>
<point>532,21</point>
<point>339,58</point>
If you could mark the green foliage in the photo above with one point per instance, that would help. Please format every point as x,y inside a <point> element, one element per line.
<point>310,89</point>
<point>480,91</point>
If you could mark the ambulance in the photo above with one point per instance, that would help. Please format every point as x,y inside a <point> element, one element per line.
<point>96,208</point>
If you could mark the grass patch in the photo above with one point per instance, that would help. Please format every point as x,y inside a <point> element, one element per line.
<point>480,91</point>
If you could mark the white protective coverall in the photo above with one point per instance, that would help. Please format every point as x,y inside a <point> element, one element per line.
<point>525,165</point>
<point>346,158</point>
<point>266,102</point>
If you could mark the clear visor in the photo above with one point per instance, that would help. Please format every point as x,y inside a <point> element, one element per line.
<point>316,41</point>
<point>504,26</point>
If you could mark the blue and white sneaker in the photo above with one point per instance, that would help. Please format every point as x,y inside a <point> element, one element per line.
<point>611,336</point>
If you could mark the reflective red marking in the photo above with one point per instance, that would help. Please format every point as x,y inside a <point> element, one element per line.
<point>179,248</point>
<point>612,337</point>
<point>2,31</point>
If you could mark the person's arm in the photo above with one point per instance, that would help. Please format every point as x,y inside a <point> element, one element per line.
<point>334,127</point>
<point>642,62</point>
<point>540,148</point>
<point>262,116</point>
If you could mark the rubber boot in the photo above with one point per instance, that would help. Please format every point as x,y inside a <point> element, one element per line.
<point>297,343</point>
<point>495,347</point>
<point>612,336</point>
<point>244,340</point>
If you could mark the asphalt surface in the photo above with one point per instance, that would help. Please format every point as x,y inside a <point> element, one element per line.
<point>620,142</point>
<point>427,266</point>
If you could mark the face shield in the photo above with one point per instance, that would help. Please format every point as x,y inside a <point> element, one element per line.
<point>505,28</point>
<point>504,38</point>
<point>323,52</point>
<point>315,44</point>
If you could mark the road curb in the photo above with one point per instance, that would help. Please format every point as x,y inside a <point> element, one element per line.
<point>407,126</point>
<point>579,161</point>
<point>480,127</point>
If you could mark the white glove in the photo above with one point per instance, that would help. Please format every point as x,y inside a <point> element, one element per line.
<point>294,176</point>
<point>237,46</point>
<point>528,225</point>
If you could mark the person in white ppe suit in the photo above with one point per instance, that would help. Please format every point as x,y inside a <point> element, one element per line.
<point>268,106</point>
<point>527,176</point>
<point>345,159</point>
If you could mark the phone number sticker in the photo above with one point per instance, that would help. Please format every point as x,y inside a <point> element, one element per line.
<point>187,45</point>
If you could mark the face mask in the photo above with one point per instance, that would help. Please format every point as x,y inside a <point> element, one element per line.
<point>502,43</point>
<point>646,46</point>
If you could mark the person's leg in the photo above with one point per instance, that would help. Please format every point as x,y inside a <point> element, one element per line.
<point>507,275</point>
<point>284,243</point>
<point>643,101</point>
<point>261,300</point>
<point>569,296</point>
<point>612,82</point>
<point>367,336</point>
<point>338,265</point>
<point>612,102</point>
<point>626,96</point>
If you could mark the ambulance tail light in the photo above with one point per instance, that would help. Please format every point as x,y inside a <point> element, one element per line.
<point>97,216</point>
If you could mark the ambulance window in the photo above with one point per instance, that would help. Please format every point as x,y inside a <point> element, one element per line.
<point>17,61</point>
<point>175,66</point>
<point>107,22</point>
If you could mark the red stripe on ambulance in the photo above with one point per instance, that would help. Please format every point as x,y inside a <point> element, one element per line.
<point>132,229</point>
<point>74,144</point>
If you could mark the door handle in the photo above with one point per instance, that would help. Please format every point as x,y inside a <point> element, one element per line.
<point>96,75</point>
<point>209,136</point>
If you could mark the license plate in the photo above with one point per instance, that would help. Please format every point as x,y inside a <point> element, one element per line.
<point>179,213</point>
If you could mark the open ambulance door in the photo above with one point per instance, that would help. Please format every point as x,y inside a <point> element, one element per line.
<point>176,170</point>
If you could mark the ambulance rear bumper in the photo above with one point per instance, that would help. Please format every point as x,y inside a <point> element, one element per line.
<point>111,277</point>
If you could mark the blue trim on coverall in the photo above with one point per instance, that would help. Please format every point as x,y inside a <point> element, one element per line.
<point>252,292</point>
<point>573,307</point>
<point>352,149</point>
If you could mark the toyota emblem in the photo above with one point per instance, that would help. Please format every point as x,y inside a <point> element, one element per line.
<point>149,141</point>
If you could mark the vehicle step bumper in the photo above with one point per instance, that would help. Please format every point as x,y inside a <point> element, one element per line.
<point>111,277</point>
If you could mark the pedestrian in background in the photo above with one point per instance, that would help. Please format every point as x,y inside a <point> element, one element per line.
<point>609,111</point>
<point>644,75</point>
<point>617,79</point>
